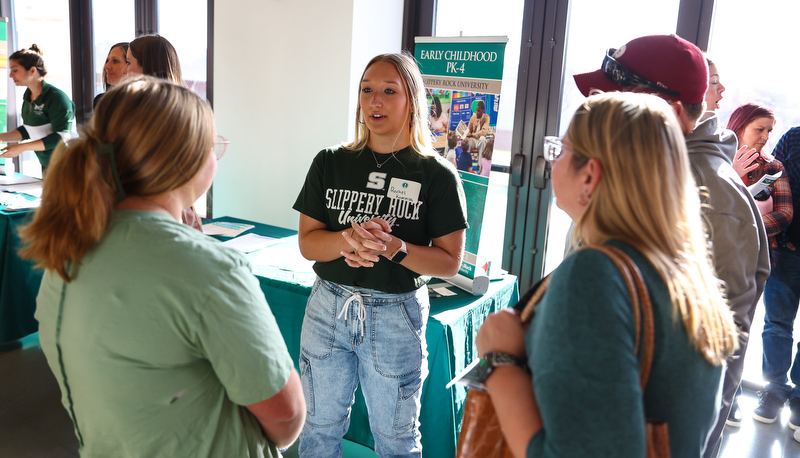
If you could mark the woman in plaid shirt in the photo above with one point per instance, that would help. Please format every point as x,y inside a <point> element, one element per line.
<point>752,123</point>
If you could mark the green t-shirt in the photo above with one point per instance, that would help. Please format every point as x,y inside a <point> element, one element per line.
<point>165,336</point>
<point>421,197</point>
<point>49,118</point>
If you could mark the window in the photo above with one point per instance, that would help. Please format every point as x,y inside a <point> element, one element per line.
<point>185,25</point>
<point>46,23</point>
<point>587,42</point>
<point>753,68</point>
<point>475,18</point>
<point>113,23</point>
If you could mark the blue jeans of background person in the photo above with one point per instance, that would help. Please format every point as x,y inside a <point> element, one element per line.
<point>380,345</point>
<point>781,298</point>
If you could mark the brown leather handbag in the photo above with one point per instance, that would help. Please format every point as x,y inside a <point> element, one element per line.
<point>481,435</point>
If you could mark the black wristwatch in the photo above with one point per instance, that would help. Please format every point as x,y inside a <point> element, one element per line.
<point>491,360</point>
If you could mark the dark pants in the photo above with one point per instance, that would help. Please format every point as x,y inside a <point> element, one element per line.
<point>730,388</point>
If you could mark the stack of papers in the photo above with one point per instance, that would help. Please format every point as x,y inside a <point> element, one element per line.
<point>225,229</point>
<point>18,202</point>
<point>32,189</point>
<point>283,261</point>
<point>250,242</point>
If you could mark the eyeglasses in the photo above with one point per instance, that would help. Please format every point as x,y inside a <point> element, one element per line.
<point>624,77</point>
<point>552,148</point>
<point>220,146</point>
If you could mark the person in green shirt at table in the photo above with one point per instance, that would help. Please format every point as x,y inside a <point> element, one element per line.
<point>47,113</point>
<point>380,216</point>
<point>159,336</point>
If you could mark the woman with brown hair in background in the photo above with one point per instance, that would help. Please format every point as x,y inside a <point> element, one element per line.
<point>115,68</point>
<point>154,55</point>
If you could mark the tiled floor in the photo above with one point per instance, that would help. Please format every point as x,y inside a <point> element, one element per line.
<point>758,440</point>
<point>33,423</point>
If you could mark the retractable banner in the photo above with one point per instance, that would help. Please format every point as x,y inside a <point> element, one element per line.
<point>462,78</point>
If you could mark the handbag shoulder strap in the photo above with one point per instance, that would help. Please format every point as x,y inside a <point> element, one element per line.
<point>527,312</point>
<point>640,300</point>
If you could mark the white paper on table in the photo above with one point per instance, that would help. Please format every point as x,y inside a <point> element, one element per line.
<point>444,291</point>
<point>283,261</point>
<point>18,202</point>
<point>31,189</point>
<point>250,242</point>
<point>226,229</point>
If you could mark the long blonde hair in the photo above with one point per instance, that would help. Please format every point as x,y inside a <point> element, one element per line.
<point>157,135</point>
<point>415,93</point>
<point>647,198</point>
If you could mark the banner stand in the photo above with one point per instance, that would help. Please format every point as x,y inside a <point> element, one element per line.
<point>476,286</point>
<point>462,77</point>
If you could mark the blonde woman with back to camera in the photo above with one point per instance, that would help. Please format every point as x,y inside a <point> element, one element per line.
<point>160,338</point>
<point>622,174</point>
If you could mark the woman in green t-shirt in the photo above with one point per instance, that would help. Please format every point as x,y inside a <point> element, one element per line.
<point>159,336</point>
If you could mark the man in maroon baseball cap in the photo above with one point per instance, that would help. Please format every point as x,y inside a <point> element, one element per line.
<point>676,70</point>
<point>664,65</point>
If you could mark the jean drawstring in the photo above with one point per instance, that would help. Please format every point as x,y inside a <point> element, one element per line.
<point>361,311</point>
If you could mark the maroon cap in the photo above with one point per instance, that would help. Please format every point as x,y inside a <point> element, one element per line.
<point>667,60</point>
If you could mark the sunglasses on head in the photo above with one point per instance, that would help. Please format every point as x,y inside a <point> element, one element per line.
<point>621,76</point>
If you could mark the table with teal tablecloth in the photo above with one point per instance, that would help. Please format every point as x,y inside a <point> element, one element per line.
<point>286,280</point>
<point>19,281</point>
<point>453,324</point>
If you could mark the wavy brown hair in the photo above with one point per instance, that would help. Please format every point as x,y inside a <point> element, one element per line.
<point>161,134</point>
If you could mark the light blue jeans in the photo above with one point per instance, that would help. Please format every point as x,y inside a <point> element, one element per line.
<point>355,335</point>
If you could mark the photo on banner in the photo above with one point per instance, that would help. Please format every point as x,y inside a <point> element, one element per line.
<point>462,77</point>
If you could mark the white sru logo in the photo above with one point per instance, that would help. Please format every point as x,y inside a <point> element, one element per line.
<point>377,180</point>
